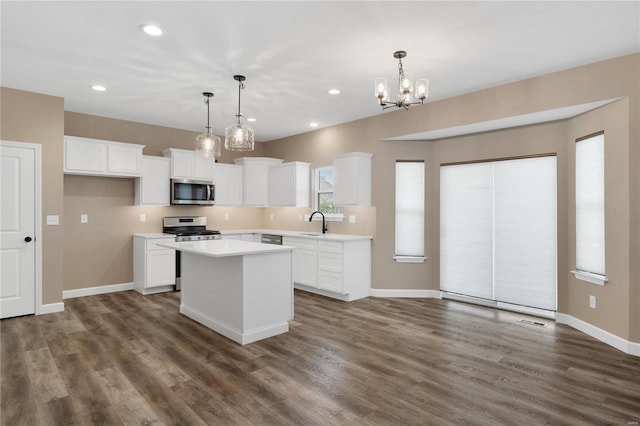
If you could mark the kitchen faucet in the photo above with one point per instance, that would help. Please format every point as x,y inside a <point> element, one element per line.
<point>324,226</point>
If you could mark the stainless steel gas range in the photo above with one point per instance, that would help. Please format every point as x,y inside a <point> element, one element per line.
<point>187,228</point>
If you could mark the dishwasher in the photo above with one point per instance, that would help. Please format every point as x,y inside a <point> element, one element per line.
<point>271,239</point>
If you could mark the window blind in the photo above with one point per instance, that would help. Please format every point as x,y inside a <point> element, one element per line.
<point>409,212</point>
<point>498,231</point>
<point>590,255</point>
<point>466,229</point>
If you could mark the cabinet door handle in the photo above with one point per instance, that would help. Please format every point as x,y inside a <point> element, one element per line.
<point>28,239</point>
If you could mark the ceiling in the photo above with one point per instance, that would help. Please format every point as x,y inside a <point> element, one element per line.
<point>292,53</point>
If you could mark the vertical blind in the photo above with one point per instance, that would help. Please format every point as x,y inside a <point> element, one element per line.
<point>498,231</point>
<point>590,205</point>
<point>410,209</point>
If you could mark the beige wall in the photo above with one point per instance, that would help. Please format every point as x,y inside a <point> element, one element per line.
<point>34,118</point>
<point>617,303</point>
<point>103,246</point>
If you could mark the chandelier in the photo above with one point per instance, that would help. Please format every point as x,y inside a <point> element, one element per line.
<point>405,88</point>
<point>207,144</point>
<point>239,137</point>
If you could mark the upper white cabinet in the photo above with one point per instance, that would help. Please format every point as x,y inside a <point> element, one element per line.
<point>228,182</point>
<point>153,186</point>
<point>289,184</point>
<point>186,164</point>
<point>255,179</point>
<point>95,157</point>
<point>352,179</point>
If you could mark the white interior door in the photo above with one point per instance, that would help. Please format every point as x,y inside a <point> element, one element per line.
<point>17,231</point>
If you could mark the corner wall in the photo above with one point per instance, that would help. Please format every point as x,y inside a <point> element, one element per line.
<point>35,118</point>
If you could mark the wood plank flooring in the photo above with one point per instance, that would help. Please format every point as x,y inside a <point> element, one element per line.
<point>128,359</point>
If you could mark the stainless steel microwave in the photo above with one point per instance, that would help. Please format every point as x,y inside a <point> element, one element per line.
<point>193,192</point>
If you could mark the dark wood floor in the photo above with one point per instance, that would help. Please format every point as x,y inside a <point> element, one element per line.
<point>129,359</point>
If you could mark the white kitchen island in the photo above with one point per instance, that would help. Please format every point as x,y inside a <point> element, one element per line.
<point>242,290</point>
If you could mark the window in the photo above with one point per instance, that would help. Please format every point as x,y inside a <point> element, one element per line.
<point>498,229</point>
<point>409,212</point>
<point>323,190</point>
<point>590,255</point>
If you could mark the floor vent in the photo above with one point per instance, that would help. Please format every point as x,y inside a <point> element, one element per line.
<point>529,322</point>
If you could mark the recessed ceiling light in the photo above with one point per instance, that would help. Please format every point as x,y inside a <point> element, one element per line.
<point>251,119</point>
<point>151,30</point>
<point>98,88</point>
<point>334,91</point>
<point>313,124</point>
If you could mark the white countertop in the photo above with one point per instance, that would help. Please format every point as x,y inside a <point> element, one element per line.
<point>224,248</point>
<point>154,235</point>
<point>299,234</point>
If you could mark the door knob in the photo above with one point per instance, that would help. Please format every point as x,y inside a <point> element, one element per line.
<point>28,239</point>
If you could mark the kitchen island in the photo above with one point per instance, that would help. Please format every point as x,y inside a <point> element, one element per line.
<point>242,290</point>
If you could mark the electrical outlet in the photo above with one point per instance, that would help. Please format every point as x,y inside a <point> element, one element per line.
<point>53,219</point>
<point>84,218</point>
<point>271,216</point>
<point>352,218</point>
<point>592,302</point>
<point>226,216</point>
<point>143,217</point>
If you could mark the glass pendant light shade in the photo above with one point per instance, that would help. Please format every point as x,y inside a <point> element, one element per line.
<point>239,137</point>
<point>208,145</point>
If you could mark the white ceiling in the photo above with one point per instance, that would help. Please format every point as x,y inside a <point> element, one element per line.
<point>291,53</point>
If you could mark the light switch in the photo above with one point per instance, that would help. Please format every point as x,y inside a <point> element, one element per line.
<point>53,219</point>
<point>84,218</point>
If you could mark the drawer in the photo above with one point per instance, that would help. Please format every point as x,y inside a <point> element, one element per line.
<point>330,246</point>
<point>330,281</point>
<point>330,262</point>
<point>303,243</point>
<point>152,244</point>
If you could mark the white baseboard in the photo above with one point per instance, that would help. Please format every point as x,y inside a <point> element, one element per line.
<point>389,292</point>
<point>51,308</point>
<point>619,343</point>
<point>92,291</point>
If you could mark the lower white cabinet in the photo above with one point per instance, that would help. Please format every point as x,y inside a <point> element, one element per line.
<point>304,260</point>
<point>339,269</point>
<point>154,267</point>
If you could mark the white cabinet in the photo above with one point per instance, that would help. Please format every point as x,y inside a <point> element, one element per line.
<point>153,186</point>
<point>330,266</point>
<point>228,181</point>
<point>289,184</point>
<point>154,267</point>
<point>304,259</point>
<point>95,157</point>
<point>186,164</point>
<point>352,179</point>
<point>338,269</point>
<point>255,179</point>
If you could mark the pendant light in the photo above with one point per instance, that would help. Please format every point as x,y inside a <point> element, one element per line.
<point>239,137</point>
<point>208,145</point>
